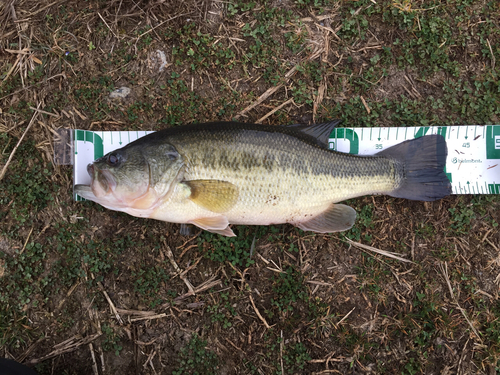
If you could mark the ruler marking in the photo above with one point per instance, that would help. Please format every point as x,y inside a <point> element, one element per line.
<point>362,133</point>
<point>371,133</point>
<point>406,131</point>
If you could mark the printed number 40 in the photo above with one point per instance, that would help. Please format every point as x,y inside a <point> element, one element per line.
<point>378,146</point>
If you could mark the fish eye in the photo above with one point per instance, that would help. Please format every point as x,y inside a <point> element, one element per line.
<point>113,159</point>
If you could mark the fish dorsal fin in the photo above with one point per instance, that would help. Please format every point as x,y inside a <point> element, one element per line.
<point>213,195</point>
<point>321,132</point>
<point>337,218</point>
<point>214,224</point>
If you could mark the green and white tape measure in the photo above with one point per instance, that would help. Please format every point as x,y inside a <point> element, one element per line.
<point>473,163</point>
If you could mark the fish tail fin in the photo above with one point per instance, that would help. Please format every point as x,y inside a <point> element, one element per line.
<point>423,160</point>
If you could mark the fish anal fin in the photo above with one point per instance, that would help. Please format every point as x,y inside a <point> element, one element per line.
<point>213,195</point>
<point>214,224</point>
<point>337,218</point>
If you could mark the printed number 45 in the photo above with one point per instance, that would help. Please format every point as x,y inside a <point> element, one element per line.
<point>378,146</point>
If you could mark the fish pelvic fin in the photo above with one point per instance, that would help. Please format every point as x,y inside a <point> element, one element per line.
<point>213,195</point>
<point>186,229</point>
<point>215,224</point>
<point>337,218</point>
<point>422,161</point>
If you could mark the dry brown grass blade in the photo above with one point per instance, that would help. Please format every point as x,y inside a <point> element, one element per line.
<point>259,121</point>
<point>110,302</point>
<point>319,98</point>
<point>32,121</point>
<point>444,271</point>
<point>65,347</point>
<point>268,92</point>
<point>378,251</point>
<point>263,320</point>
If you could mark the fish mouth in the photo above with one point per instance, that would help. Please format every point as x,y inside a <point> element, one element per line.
<point>102,181</point>
<point>84,191</point>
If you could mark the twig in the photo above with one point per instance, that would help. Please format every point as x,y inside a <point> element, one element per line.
<point>26,242</point>
<point>378,251</point>
<point>35,84</point>
<point>43,8</point>
<point>206,285</point>
<point>44,112</point>
<point>32,121</point>
<point>109,28</point>
<point>346,315</point>
<point>364,103</point>
<point>111,304</point>
<point>94,363</point>
<point>136,312</point>
<point>259,121</point>
<point>492,55</point>
<point>268,93</point>
<point>281,354</point>
<point>178,270</point>
<point>158,316</point>
<point>69,346</point>
<point>444,270</point>
<point>261,98</point>
<point>258,313</point>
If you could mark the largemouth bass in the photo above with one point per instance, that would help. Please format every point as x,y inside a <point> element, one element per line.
<point>216,174</point>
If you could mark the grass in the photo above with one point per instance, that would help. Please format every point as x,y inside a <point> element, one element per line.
<point>319,297</point>
<point>195,359</point>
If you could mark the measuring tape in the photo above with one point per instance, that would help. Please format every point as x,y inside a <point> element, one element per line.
<point>472,166</point>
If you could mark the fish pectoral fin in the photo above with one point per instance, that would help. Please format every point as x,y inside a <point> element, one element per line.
<point>337,218</point>
<point>213,195</point>
<point>216,224</point>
